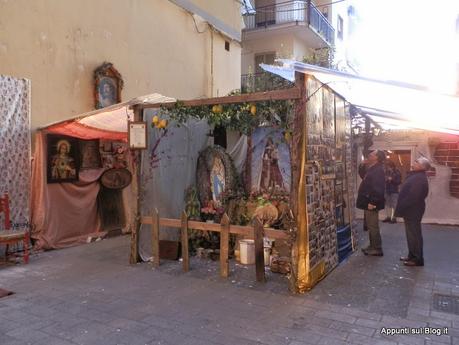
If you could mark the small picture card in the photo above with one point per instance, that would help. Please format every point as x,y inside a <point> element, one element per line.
<point>137,135</point>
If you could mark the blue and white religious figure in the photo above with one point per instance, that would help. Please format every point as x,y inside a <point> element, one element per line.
<point>217,178</point>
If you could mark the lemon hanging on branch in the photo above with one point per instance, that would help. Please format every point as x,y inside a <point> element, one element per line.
<point>217,109</point>
<point>154,121</point>
<point>253,109</point>
<point>163,123</point>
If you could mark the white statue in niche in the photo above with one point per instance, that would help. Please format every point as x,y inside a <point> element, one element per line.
<point>217,178</point>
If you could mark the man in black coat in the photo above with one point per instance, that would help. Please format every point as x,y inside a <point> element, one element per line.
<point>370,198</point>
<point>411,206</point>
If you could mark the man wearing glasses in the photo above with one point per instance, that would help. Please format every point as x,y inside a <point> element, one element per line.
<point>411,206</point>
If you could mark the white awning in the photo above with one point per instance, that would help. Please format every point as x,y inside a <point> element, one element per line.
<point>115,118</point>
<point>109,122</point>
<point>389,103</point>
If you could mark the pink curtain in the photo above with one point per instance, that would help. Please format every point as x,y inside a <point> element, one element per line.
<point>62,214</point>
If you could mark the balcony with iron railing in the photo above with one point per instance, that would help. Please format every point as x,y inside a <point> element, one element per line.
<point>263,81</point>
<point>302,11</point>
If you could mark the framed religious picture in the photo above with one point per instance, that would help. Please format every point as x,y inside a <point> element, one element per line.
<point>270,161</point>
<point>90,155</point>
<point>63,159</point>
<point>215,175</point>
<point>107,85</point>
<point>137,135</point>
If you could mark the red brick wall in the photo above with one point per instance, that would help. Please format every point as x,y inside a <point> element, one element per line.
<point>447,154</point>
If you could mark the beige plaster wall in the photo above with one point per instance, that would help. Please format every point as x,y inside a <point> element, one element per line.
<point>154,44</point>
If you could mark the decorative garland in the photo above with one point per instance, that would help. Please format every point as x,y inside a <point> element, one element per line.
<point>242,117</point>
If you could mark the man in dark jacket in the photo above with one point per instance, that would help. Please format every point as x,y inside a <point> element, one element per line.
<point>411,206</point>
<point>393,180</point>
<point>370,198</point>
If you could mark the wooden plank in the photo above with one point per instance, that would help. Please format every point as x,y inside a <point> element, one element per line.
<point>172,223</point>
<point>275,95</point>
<point>259,250</point>
<point>224,244</point>
<point>276,234</point>
<point>146,220</point>
<point>234,229</point>
<point>184,233</point>
<point>155,238</point>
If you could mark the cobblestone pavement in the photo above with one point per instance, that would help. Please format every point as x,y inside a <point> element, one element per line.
<point>90,295</point>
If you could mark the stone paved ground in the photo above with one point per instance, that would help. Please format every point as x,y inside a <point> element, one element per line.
<point>90,295</point>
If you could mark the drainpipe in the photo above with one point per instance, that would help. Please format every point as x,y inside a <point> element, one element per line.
<point>309,12</point>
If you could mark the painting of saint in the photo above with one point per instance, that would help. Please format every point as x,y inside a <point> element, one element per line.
<point>108,85</point>
<point>270,161</point>
<point>62,159</point>
<point>217,178</point>
<point>271,177</point>
<point>107,92</point>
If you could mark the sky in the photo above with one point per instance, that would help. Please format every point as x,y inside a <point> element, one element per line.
<point>413,41</point>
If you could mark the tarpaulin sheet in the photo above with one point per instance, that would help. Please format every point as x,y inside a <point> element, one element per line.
<point>167,174</point>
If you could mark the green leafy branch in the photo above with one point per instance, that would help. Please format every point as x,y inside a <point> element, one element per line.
<point>242,117</point>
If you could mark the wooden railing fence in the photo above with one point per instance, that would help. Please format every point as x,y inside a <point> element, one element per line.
<point>256,232</point>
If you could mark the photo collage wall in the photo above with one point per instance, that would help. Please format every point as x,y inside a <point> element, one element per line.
<point>327,187</point>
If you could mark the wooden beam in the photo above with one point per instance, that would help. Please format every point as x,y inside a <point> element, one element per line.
<point>259,250</point>
<point>155,238</point>
<point>224,246</point>
<point>234,229</point>
<point>276,95</point>
<point>184,236</point>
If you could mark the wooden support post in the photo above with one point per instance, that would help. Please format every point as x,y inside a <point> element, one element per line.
<point>155,238</point>
<point>259,250</point>
<point>184,233</point>
<point>224,246</point>
<point>134,256</point>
